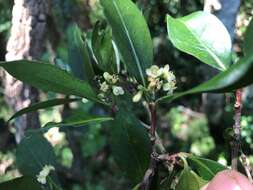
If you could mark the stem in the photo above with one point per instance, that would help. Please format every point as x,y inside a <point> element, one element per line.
<point>158,139</point>
<point>235,143</point>
<point>147,179</point>
<point>152,132</point>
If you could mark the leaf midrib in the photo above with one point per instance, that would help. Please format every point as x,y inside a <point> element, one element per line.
<point>130,41</point>
<point>216,58</point>
<point>81,122</point>
<point>204,166</point>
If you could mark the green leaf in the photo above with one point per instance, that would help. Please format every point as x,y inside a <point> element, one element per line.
<point>33,153</point>
<point>49,78</point>
<point>248,39</point>
<point>188,181</point>
<point>137,187</point>
<point>102,48</point>
<point>206,168</point>
<point>237,76</point>
<point>130,145</point>
<point>131,34</point>
<point>74,122</point>
<point>43,105</point>
<point>202,35</point>
<point>200,180</point>
<point>21,183</point>
<point>78,54</point>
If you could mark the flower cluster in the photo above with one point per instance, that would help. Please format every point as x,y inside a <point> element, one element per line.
<point>161,78</point>
<point>42,177</point>
<point>158,78</point>
<point>110,84</point>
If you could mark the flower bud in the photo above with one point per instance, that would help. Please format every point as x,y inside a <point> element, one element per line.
<point>107,76</point>
<point>137,97</point>
<point>117,90</point>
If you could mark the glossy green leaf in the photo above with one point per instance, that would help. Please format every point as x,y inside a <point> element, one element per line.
<point>206,168</point>
<point>74,122</point>
<point>188,181</point>
<point>21,183</point>
<point>199,179</point>
<point>33,153</point>
<point>102,48</point>
<point>237,76</point>
<point>248,40</point>
<point>202,35</point>
<point>49,78</point>
<point>130,145</point>
<point>131,34</point>
<point>43,105</point>
<point>79,60</point>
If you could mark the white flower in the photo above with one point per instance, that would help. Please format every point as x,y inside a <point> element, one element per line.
<point>104,87</point>
<point>169,86</point>
<point>42,177</point>
<point>107,76</point>
<point>166,68</point>
<point>159,84</point>
<point>54,136</point>
<point>155,84</point>
<point>137,97</point>
<point>112,79</point>
<point>161,78</point>
<point>167,74</point>
<point>154,71</point>
<point>117,90</point>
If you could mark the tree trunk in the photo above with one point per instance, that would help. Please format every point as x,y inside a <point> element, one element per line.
<point>27,41</point>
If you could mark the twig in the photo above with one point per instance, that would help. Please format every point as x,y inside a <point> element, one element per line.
<point>149,174</point>
<point>235,143</point>
<point>152,108</point>
<point>158,142</point>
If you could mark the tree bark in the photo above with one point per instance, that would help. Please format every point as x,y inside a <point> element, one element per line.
<point>27,41</point>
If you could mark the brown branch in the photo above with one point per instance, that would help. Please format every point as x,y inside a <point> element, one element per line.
<point>235,143</point>
<point>150,173</point>
<point>158,142</point>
